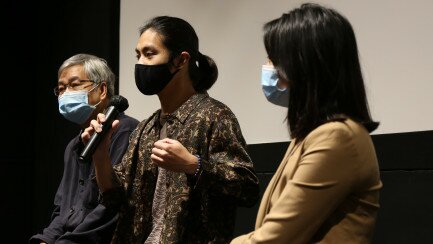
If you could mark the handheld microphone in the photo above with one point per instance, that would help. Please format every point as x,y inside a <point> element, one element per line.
<point>117,105</point>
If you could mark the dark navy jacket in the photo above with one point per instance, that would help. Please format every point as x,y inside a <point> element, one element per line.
<point>78,217</point>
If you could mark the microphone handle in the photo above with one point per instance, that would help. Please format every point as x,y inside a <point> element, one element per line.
<point>110,115</point>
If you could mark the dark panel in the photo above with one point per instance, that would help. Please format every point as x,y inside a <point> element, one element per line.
<point>406,214</point>
<point>409,151</point>
<point>406,151</point>
<point>267,156</point>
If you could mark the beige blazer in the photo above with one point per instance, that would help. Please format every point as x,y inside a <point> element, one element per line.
<point>326,190</point>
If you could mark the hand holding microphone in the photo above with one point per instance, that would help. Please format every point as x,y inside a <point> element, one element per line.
<point>102,126</point>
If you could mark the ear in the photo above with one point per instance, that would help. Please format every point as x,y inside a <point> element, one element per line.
<point>282,84</point>
<point>104,90</point>
<point>182,59</point>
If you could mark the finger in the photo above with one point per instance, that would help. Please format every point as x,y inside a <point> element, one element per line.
<point>101,118</point>
<point>115,124</point>
<point>85,136</point>
<point>160,144</point>
<point>97,126</point>
<point>156,160</point>
<point>169,141</point>
<point>88,132</point>
<point>159,152</point>
<point>114,127</point>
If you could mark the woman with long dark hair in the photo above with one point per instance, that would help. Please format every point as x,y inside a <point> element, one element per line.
<point>327,186</point>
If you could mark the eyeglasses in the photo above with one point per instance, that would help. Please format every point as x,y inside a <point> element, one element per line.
<point>75,85</point>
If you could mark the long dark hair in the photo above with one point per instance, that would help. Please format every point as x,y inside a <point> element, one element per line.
<point>178,36</point>
<point>314,49</point>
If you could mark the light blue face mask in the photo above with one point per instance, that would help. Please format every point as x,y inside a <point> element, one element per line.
<point>270,88</point>
<point>75,107</point>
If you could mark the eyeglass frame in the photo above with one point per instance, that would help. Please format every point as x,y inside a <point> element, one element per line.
<point>56,89</point>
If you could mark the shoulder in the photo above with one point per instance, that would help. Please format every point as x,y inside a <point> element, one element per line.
<point>126,126</point>
<point>337,132</point>
<point>219,109</point>
<point>127,121</point>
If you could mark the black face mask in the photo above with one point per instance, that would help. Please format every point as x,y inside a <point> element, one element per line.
<point>151,79</point>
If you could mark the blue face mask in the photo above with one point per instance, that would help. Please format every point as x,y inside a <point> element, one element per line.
<point>270,88</point>
<point>75,107</point>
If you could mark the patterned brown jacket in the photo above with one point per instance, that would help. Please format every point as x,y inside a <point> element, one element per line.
<point>198,210</point>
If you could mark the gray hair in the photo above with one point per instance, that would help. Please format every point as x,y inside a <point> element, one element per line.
<point>95,68</point>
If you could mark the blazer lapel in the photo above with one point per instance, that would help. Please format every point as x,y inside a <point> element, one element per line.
<point>265,203</point>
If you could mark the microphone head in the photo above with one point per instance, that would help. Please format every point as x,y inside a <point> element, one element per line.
<point>119,102</point>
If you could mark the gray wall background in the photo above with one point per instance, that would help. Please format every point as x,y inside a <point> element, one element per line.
<point>395,40</point>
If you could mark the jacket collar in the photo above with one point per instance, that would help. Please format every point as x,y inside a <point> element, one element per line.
<point>181,113</point>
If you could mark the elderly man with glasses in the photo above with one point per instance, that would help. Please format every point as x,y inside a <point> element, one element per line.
<point>84,88</point>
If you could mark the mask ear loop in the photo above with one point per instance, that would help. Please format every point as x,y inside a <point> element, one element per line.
<point>97,84</point>
<point>95,105</point>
